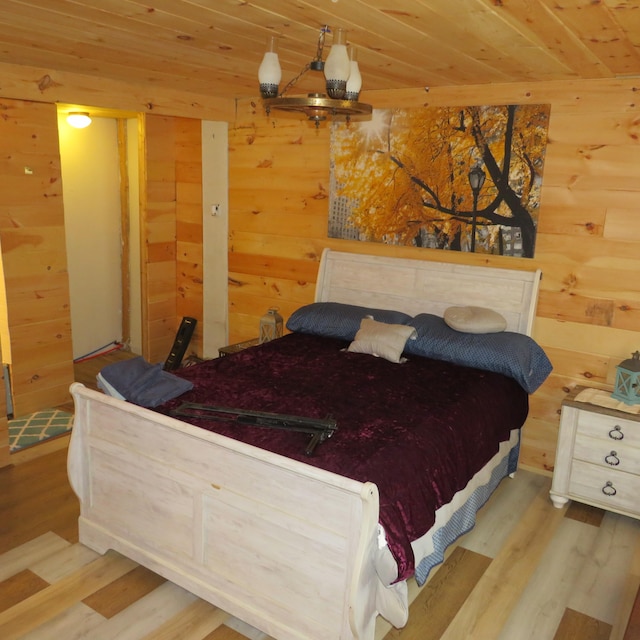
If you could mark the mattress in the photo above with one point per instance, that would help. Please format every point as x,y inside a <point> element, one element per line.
<point>420,429</point>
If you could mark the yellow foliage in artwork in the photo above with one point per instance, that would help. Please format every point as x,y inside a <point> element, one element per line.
<point>406,175</point>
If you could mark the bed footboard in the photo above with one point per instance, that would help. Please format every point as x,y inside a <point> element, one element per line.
<point>284,546</point>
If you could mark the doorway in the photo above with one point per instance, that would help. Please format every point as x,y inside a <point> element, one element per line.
<point>99,167</point>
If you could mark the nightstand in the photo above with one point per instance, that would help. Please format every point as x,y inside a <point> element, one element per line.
<point>597,457</point>
<point>238,346</point>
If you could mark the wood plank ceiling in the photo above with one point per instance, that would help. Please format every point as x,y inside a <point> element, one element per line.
<point>214,47</point>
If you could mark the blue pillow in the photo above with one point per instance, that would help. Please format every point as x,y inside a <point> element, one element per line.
<point>338,320</point>
<point>512,354</point>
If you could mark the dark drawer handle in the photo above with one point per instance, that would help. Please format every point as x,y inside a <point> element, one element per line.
<point>616,433</point>
<point>612,459</point>
<point>609,489</point>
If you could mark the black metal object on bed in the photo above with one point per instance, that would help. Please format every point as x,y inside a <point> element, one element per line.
<point>320,429</point>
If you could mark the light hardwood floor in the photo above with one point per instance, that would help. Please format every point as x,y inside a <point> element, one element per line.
<point>526,571</point>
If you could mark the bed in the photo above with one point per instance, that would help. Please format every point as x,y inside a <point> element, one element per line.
<point>295,543</point>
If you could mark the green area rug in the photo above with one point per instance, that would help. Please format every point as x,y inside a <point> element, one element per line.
<point>38,426</point>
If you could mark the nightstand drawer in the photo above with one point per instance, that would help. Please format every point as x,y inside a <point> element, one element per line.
<point>612,455</point>
<point>609,429</point>
<point>610,489</point>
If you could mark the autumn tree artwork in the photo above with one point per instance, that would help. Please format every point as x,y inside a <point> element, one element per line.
<point>456,178</point>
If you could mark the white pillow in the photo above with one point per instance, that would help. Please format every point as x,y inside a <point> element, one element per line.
<point>381,339</point>
<point>474,320</point>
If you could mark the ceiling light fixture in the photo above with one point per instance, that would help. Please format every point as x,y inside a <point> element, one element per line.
<point>79,119</point>
<point>342,75</point>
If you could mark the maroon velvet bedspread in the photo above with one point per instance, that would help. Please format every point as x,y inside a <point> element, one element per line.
<point>419,430</point>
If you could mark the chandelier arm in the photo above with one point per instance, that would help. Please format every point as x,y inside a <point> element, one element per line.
<point>293,81</point>
<point>320,47</point>
<point>317,63</point>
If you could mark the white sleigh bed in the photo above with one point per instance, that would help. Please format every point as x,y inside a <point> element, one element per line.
<point>301,558</point>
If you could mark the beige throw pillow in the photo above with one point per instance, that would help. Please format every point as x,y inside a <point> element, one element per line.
<point>381,339</point>
<point>474,320</point>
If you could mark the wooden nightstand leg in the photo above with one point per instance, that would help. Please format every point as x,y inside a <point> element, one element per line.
<point>558,501</point>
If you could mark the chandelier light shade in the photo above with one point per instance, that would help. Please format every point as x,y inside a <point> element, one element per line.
<point>337,66</point>
<point>354,83</point>
<point>79,119</point>
<point>342,82</point>
<point>270,73</point>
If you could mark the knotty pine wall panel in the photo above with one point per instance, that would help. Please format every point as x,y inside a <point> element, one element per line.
<point>189,233</point>
<point>588,240</point>
<point>172,232</point>
<point>40,84</point>
<point>4,422</point>
<point>34,256</point>
<point>278,180</point>
<point>34,251</point>
<point>158,230</point>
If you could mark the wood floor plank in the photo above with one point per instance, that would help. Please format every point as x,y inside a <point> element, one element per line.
<point>628,615</point>
<point>26,555</point>
<point>541,605</point>
<point>19,587</point>
<point>147,614</point>
<point>486,610</point>
<point>575,625</point>
<point>37,498</point>
<point>632,629</point>
<point>227,633</point>
<point>436,605</point>
<point>123,592</point>
<point>585,513</point>
<point>245,630</point>
<point>64,562</point>
<point>600,589</point>
<point>48,603</point>
<point>498,517</point>
<point>77,622</point>
<point>194,622</point>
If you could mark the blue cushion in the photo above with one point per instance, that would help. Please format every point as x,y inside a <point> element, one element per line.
<point>512,354</point>
<point>338,320</point>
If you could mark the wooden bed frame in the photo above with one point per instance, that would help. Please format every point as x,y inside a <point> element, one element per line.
<point>285,547</point>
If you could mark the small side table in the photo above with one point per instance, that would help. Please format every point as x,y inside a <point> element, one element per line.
<point>238,346</point>
<point>597,457</point>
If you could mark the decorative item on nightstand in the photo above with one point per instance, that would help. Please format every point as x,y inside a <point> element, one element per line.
<point>627,386</point>
<point>271,325</point>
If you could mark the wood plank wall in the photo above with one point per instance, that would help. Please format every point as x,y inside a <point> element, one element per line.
<point>34,250</point>
<point>34,256</point>
<point>171,223</point>
<point>158,236</point>
<point>189,234</point>
<point>4,424</point>
<point>40,84</point>
<point>32,221</point>
<point>588,242</point>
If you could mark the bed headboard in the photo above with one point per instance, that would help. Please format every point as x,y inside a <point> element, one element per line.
<point>421,286</point>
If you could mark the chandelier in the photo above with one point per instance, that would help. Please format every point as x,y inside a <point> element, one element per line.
<point>341,72</point>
